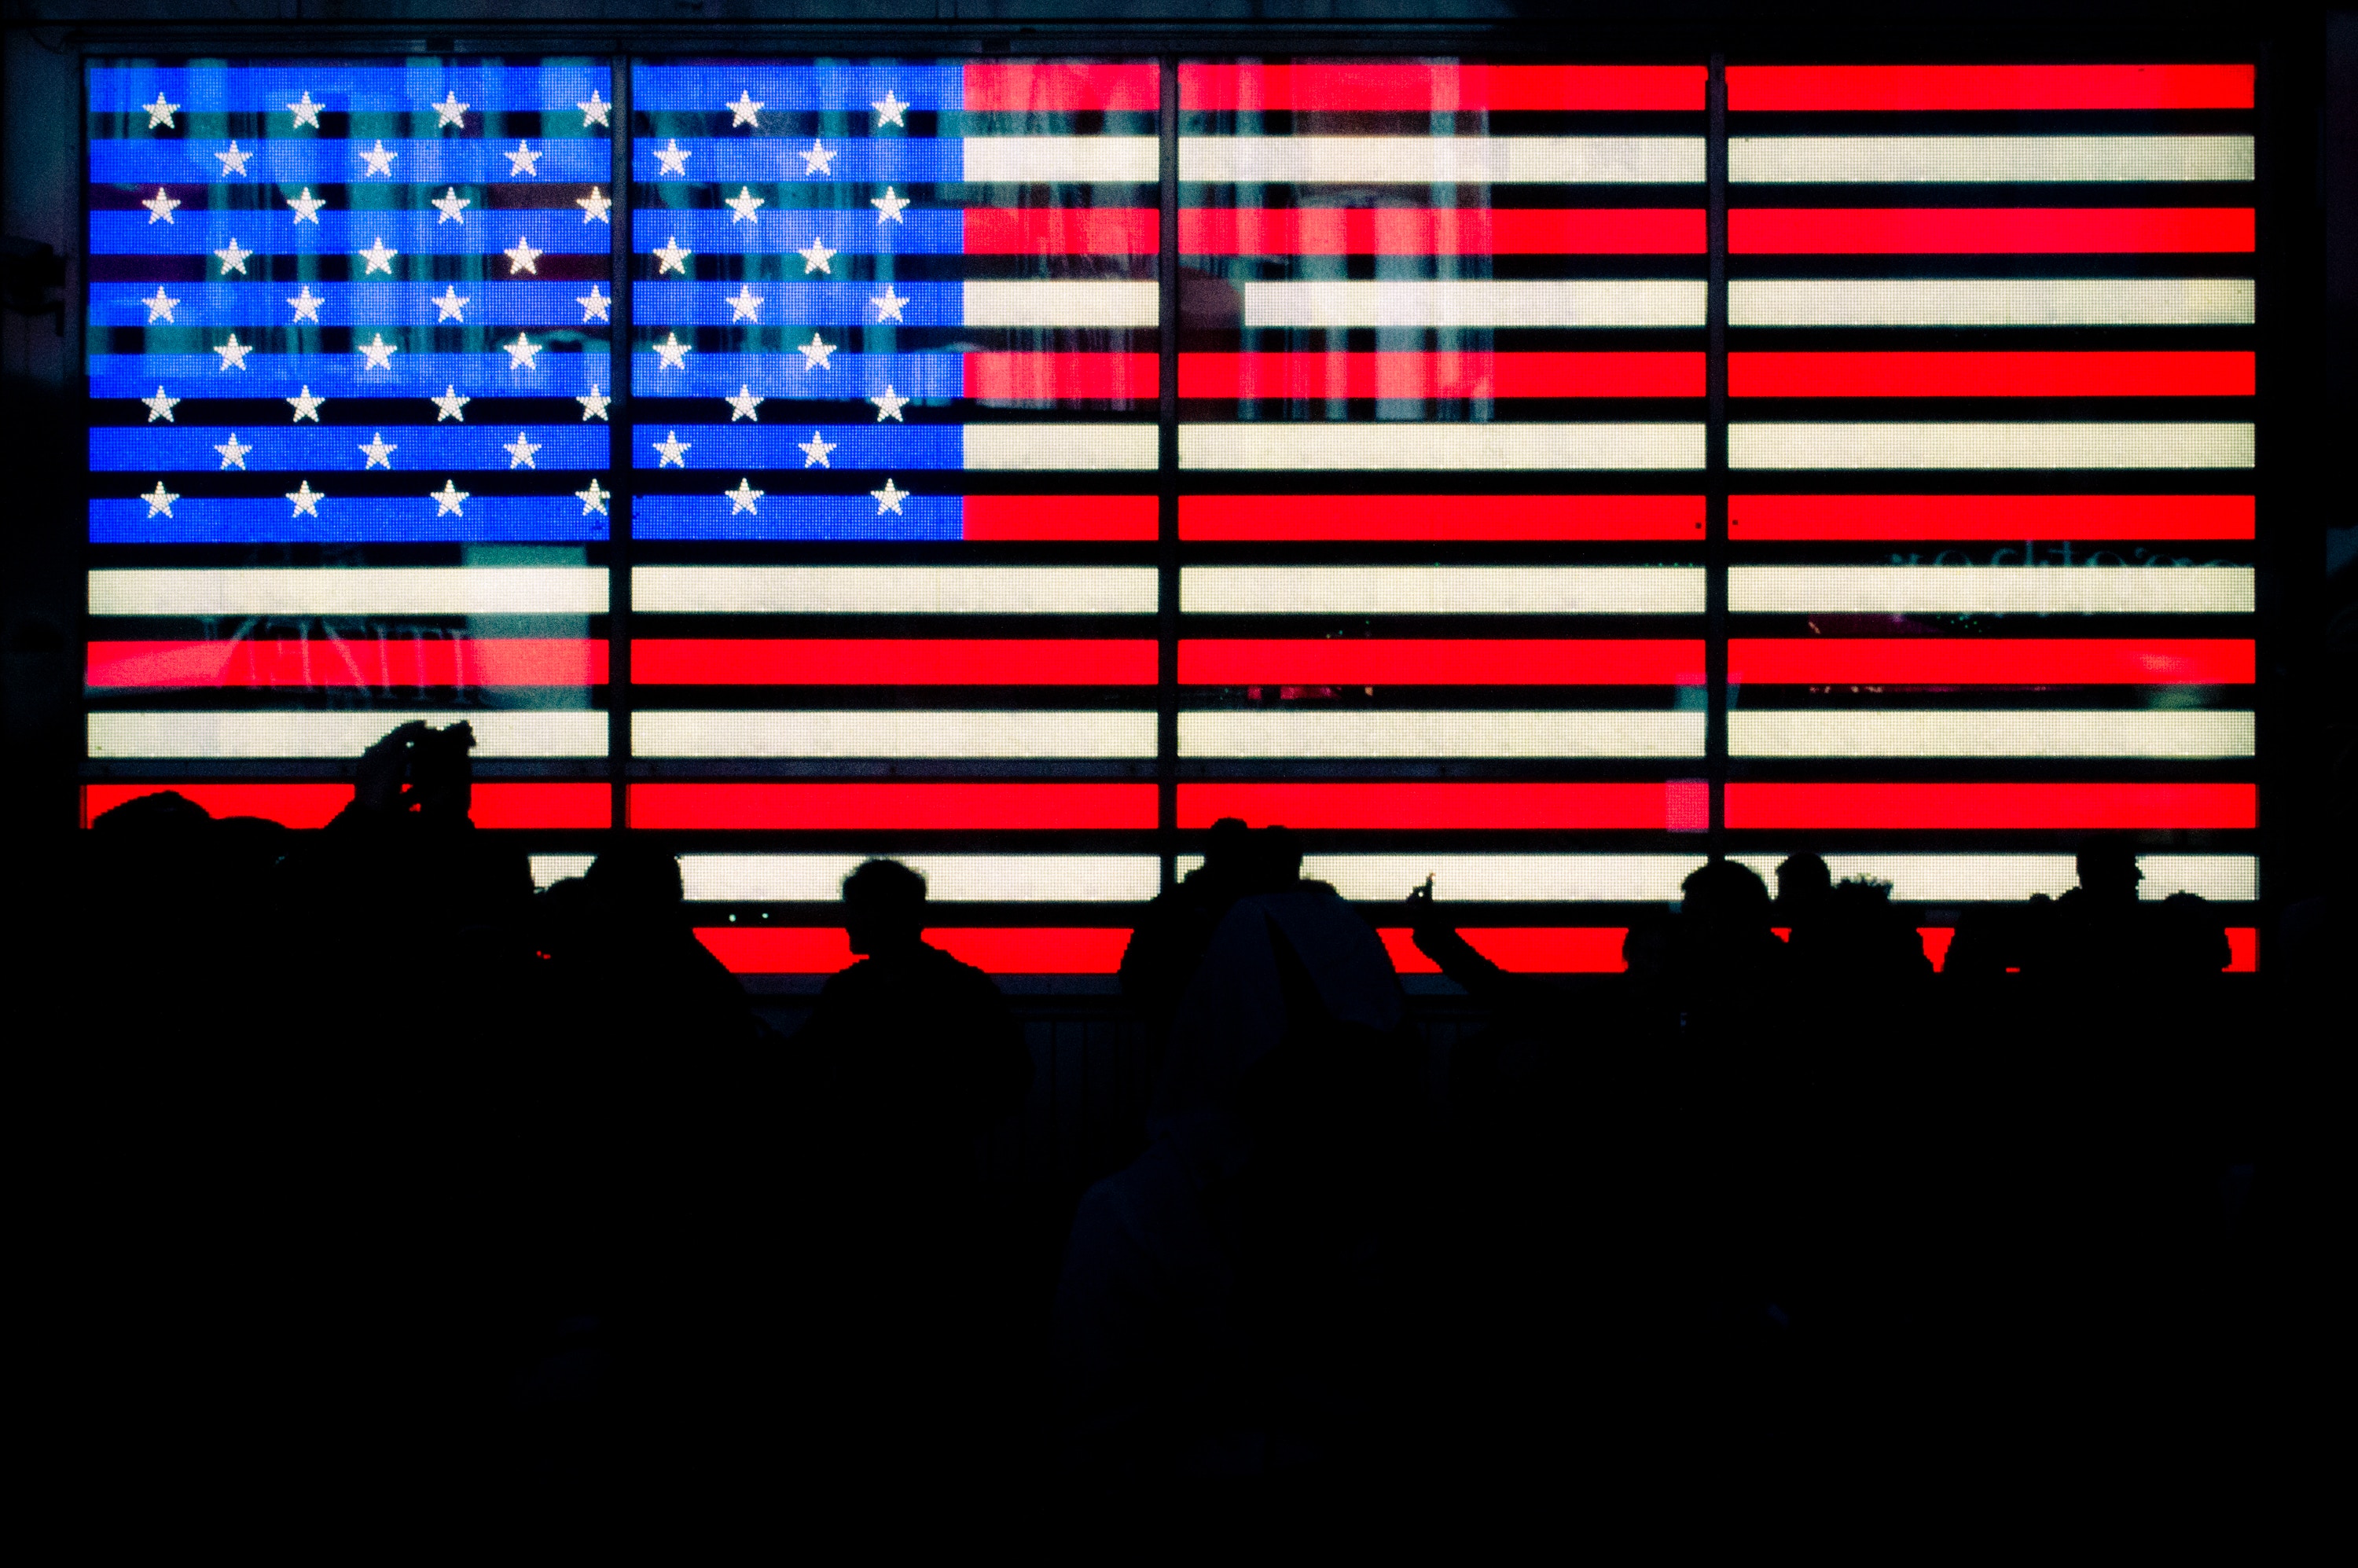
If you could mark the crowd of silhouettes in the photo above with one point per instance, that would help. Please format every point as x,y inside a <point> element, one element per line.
<point>514,1192</point>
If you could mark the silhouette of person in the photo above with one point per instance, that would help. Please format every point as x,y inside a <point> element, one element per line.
<point>1172,936</point>
<point>1802,884</point>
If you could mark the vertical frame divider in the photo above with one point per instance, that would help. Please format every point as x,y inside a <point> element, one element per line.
<point>1166,728</point>
<point>1715,480</point>
<point>622,427</point>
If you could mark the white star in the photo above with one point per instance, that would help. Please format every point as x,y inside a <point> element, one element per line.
<point>306,112</point>
<point>233,161</point>
<point>161,113</point>
<point>745,305</point>
<point>306,499</point>
<point>379,450</point>
<point>743,404</point>
<point>889,206</point>
<point>452,304</point>
<point>160,500</point>
<point>674,450</point>
<point>889,110</point>
<point>744,495</point>
<point>450,402</point>
<point>232,451</point>
<point>889,499</point>
<point>453,208</point>
<point>595,206</point>
<point>159,207</point>
<point>889,407</point>
<point>377,352</point>
<point>747,110</point>
<point>521,256</point>
<point>814,353</point>
<point>816,450</point>
<point>594,303</point>
<point>520,451</point>
<point>671,353</point>
<point>378,160</point>
<point>307,206</point>
<point>594,111</point>
<point>521,353</point>
<point>159,306</point>
<point>233,353</point>
<point>744,204</point>
<point>673,159</point>
<point>306,406</point>
<point>378,256</point>
<point>453,499</point>
<point>816,255</point>
<point>593,405</point>
<point>888,305</point>
<point>523,161</point>
<point>593,499</point>
<point>816,157</point>
<point>233,259</point>
<point>307,305</point>
<point>160,407</point>
<point>673,258</point>
<point>453,113</point>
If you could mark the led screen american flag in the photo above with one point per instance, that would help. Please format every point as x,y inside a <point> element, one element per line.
<point>350,380</point>
<point>896,378</point>
<point>1991,368</point>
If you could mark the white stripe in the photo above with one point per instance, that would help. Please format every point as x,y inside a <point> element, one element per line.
<point>949,879</point>
<point>1951,732</point>
<point>351,590</point>
<point>2010,879</point>
<point>894,590</point>
<point>1301,446</point>
<point>1061,446</point>
<point>891,733</point>
<point>538,732</point>
<point>549,870</point>
<point>1993,591</point>
<point>1499,879</point>
<point>1294,733</point>
<point>2076,445</point>
<point>1477,302</point>
<point>1062,302</point>
<point>1441,590</point>
<point>1992,302</point>
<point>1441,160</point>
<point>2002,159</point>
<point>1051,160</point>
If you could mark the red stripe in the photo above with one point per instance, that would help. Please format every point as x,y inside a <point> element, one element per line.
<point>1063,231</point>
<point>1043,378</point>
<point>1060,517</point>
<point>2016,372</point>
<point>1371,661</point>
<point>822,950</point>
<point>915,806</point>
<point>1443,231</point>
<point>1995,661</point>
<point>1532,950</point>
<point>1677,806</point>
<point>1054,86</point>
<point>1985,231</point>
<point>1217,517</point>
<point>929,661</point>
<point>1428,88</point>
<point>365,662</point>
<point>2243,947</point>
<point>1886,87</point>
<point>1992,805</point>
<point>1443,375</point>
<point>2009,517</point>
<point>315,805</point>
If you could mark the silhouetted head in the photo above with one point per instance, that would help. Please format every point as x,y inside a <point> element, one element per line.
<point>1723,922</point>
<point>2108,871</point>
<point>1801,884</point>
<point>442,773</point>
<point>883,907</point>
<point>636,879</point>
<point>1276,864</point>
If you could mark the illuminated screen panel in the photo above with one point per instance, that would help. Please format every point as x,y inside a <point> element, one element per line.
<point>349,374</point>
<point>1991,369</point>
<point>895,369</point>
<point>1441,442</point>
